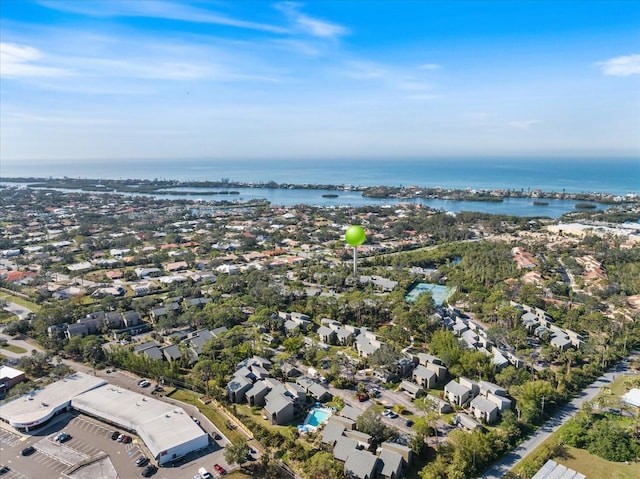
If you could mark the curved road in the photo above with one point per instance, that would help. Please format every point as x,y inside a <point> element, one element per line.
<point>508,462</point>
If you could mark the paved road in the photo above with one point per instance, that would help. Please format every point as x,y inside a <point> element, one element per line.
<point>509,461</point>
<point>27,346</point>
<point>18,310</point>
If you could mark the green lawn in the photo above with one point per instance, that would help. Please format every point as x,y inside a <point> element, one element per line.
<point>13,349</point>
<point>597,468</point>
<point>212,413</point>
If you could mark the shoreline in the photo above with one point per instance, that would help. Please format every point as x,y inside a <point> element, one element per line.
<point>167,187</point>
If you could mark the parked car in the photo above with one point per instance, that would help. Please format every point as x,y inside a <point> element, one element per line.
<point>219,469</point>
<point>126,439</point>
<point>142,461</point>
<point>196,420</point>
<point>114,435</point>
<point>120,438</point>
<point>144,384</point>
<point>408,423</point>
<point>149,470</point>
<point>27,451</point>
<point>62,437</point>
<point>4,469</point>
<point>362,397</point>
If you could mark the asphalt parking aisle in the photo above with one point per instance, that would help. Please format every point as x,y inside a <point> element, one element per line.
<point>9,438</point>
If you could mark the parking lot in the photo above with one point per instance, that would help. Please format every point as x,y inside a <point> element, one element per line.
<point>90,453</point>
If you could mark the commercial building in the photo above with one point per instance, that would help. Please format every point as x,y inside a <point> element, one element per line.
<point>167,430</point>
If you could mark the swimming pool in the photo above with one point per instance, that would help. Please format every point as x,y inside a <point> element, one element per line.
<point>317,416</point>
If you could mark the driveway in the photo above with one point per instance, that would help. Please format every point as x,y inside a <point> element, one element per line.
<point>512,459</point>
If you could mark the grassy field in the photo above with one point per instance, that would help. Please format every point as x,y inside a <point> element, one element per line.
<point>22,302</point>
<point>595,467</point>
<point>212,413</point>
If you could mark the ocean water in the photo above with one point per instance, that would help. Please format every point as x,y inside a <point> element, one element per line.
<point>616,176</point>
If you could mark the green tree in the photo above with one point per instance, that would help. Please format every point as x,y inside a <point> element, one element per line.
<point>322,465</point>
<point>236,452</point>
<point>371,423</point>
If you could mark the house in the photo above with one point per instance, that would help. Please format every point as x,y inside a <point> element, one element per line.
<point>412,389</point>
<point>150,349</point>
<point>113,320</point>
<point>197,339</point>
<point>503,403</point>
<point>457,393</point>
<point>403,366</point>
<point>484,409</point>
<point>363,439</point>
<point>237,388</point>
<point>327,335</point>
<point>426,378</point>
<point>390,464</point>
<point>360,465</point>
<point>437,404</point>
<point>405,452</point>
<point>171,352</point>
<point>176,266</point>
<point>157,313</point>
<point>343,447</point>
<point>425,359</point>
<point>486,387</point>
<point>366,345</point>
<point>441,371</point>
<point>319,393</point>
<point>256,395</point>
<point>9,377</point>
<point>561,342</point>
<point>131,318</point>
<point>351,412</point>
<point>145,272</point>
<point>331,432</point>
<point>344,421</point>
<point>467,422</point>
<point>278,408</point>
<point>498,359</point>
<point>475,388</point>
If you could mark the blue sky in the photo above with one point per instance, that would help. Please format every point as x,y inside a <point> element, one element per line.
<point>324,79</point>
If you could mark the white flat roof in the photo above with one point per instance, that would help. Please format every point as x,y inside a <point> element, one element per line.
<point>632,397</point>
<point>9,372</point>
<point>162,426</point>
<point>41,404</point>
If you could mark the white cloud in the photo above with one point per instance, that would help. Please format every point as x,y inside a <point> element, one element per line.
<point>621,66</point>
<point>523,124</point>
<point>157,9</point>
<point>310,25</point>
<point>430,66</point>
<point>17,61</point>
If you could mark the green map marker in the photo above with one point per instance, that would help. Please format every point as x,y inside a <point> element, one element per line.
<point>355,236</point>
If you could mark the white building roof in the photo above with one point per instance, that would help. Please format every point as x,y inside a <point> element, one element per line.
<point>9,372</point>
<point>632,397</point>
<point>42,404</point>
<point>161,426</point>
